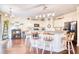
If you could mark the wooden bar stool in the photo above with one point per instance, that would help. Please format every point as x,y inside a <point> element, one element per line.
<point>70,38</point>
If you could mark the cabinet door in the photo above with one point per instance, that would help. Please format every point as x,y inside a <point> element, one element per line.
<point>67,26</point>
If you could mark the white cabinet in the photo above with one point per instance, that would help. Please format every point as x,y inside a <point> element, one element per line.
<point>56,44</point>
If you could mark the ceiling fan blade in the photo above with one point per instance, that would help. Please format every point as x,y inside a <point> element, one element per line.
<point>37,6</point>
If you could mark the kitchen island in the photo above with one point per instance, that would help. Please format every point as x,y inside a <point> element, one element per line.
<point>55,45</point>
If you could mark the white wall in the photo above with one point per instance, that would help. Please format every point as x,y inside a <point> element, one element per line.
<point>30,23</point>
<point>72,16</point>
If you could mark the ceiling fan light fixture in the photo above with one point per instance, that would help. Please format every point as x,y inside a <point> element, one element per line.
<point>40,16</point>
<point>53,14</point>
<point>44,15</point>
<point>36,17</point>
<point>6,15</point>
<point>48,14</point>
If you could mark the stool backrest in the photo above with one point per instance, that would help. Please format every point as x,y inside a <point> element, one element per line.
<point>70,36</point>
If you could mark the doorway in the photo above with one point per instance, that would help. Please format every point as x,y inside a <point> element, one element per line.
<point>16,34</point>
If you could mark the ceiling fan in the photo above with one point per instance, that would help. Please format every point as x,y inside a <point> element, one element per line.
<point>36,6</point>
<point>44,7</point>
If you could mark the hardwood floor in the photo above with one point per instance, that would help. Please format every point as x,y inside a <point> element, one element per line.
<point>19,47</point>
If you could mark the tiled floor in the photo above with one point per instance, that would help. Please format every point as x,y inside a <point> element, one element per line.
<point>19,47</point>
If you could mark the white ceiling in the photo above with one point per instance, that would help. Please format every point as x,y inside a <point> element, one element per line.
<point>37,9</point>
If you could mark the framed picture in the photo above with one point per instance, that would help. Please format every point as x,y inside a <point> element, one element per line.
<point>36,25</point>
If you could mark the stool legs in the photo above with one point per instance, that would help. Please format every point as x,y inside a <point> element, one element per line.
<point>30,49</point>
<point>50,49</point>
<point>70,47</point>
<point>43,51</point>
<point>43,48</point>
<point>36,47</point>
<point>37,50</point>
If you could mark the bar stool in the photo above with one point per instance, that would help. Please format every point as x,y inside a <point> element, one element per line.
<point>9,43</point>
<point>34,43</point>
<point>28,41</point>
<point>47,38</point>
<point>70,38</point>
